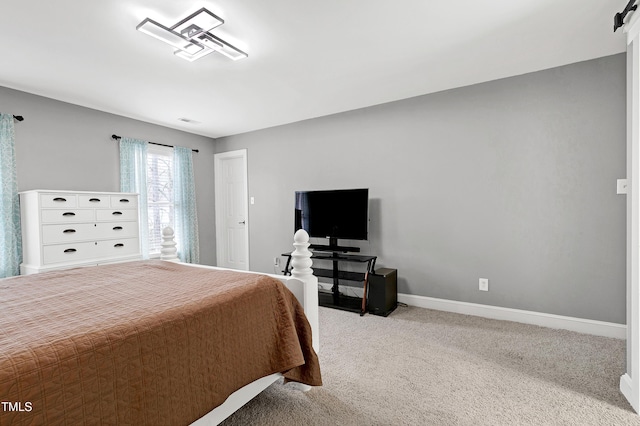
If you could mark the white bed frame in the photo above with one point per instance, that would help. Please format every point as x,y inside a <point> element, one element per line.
<point>305,287</point>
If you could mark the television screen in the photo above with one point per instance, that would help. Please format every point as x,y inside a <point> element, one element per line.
<point>341,213</point>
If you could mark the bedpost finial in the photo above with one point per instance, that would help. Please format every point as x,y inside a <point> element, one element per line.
<point>301,256</point>
<point>301,236</point>
<point>168,250</point>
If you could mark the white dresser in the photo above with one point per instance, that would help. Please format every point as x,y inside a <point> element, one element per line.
<point>62,229</point>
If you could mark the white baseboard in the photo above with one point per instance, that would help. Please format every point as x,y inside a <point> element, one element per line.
<point>580,325</point>
<point>626,387</point>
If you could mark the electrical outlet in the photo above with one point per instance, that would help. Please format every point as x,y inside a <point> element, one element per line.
<point>483,284</point>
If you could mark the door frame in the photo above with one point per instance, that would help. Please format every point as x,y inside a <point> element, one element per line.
<point>630,381</point>
<point>220,202</point>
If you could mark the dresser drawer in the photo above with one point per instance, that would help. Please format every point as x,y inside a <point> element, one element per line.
<point>58,200</point>
<point>67,215</point>
<point>117,215</point>
<point>106,230</point>
<point>67,253</point>
<point>95,200</point>
<point>124,201</point>
<point>53,234</point>
<point>119,247</point>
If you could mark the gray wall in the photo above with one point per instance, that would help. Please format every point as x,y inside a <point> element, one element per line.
<point>65,146</point>
<point>512,180</point>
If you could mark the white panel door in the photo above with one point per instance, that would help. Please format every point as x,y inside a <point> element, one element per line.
<point>232,232</point>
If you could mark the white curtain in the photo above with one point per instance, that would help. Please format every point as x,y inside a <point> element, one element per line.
<point>10,233</point>
<point>184,197</point>
<point>133,178</point>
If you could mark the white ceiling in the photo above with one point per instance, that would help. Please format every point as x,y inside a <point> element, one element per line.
<point>306,58</point>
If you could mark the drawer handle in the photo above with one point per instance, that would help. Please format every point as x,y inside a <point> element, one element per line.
<point>116,213</point>
<point>68,231</point>
<point>118,245</point>
<point>117,228</point>
<point>124,200</point>
<point>60,199</point>
<point>94,200</point>
<point>70,250</point>
<point>68,214</point>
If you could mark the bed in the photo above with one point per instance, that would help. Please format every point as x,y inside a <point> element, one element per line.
<point>152,342</point>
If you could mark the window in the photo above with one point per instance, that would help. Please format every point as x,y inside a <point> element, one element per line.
<point>164,177</point>
<point>160,203</point>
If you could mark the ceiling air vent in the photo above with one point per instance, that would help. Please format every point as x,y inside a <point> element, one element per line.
<point>188,120</point>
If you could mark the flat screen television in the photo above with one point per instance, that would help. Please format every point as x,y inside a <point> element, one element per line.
<point>334,214</point>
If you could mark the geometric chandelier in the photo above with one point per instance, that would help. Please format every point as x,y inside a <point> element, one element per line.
<point>191,36</point>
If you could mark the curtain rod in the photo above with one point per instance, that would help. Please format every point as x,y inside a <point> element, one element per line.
<point>116,137</point>
<point>18,117</point>
<point>618,19</point>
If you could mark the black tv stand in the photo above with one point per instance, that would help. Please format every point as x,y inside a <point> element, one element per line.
<point>335,299</point>
<point>334,249</point>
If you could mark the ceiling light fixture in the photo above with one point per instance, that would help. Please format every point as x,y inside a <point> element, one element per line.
<point>191,36</point>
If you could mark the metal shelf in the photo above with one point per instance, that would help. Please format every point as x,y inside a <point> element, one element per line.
<point>342,275</point>
<point>334,298</point>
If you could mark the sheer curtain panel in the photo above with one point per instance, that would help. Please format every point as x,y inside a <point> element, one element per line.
<point>184,195</point>
<point>10,234</point>
<point>133,178</point>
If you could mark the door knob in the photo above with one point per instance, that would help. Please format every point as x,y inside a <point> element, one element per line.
<point>241,223</point>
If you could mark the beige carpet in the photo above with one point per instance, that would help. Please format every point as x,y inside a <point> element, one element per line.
<point>425,367</point>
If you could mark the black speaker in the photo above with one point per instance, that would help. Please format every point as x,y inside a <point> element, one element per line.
<point>383,291</point>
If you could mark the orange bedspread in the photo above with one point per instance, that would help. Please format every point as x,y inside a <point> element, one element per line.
<point>147,342</point>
